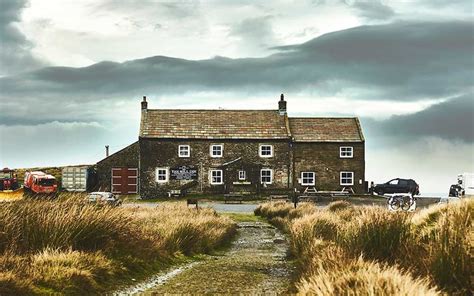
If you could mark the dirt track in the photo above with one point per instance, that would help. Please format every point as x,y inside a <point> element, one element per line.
<point>254,264</point>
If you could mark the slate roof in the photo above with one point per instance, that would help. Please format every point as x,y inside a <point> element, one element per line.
<point>322,129</point>
<point>246,124</point>
<point>213,124</point>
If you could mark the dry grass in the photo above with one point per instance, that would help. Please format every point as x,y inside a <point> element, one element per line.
<point>70,247</point>
<point>403,254</point>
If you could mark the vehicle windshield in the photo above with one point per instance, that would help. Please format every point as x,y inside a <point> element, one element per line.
<point>46,182</point>
<point>4,175</point>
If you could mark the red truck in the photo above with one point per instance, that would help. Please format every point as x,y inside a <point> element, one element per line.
<point>39,183</point>
<point>8,181</point>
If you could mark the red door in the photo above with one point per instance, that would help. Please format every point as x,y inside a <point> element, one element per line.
<point>124,180</point>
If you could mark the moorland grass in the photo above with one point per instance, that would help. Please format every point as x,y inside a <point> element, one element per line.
<point>71,247</point>
<point>368,250</point>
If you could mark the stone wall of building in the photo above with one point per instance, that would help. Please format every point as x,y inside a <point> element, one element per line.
<point>324,160</point>
<point>125,158</point>
<point>241,154</point>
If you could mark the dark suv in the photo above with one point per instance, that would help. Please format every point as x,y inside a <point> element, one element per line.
<point>397,186</point>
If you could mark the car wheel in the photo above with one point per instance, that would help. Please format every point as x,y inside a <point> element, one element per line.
<point>381,192</point>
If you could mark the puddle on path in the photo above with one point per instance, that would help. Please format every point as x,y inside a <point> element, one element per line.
<point>254,264</point>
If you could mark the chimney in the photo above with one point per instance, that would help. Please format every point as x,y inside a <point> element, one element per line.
<point>106,150</point>
<point>144,103</point>
<point>282,105</point>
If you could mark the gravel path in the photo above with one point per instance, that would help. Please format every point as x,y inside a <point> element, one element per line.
<point>255,263</point>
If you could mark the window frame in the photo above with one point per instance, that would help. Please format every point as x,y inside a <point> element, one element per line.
<point>244,175</point>
<point>167,175</point>
<point>211,177</point>
<point>351,149</point>
<point>211,150</point>
<point>189,151</point>
<point>260,150</point>
<point>271,176</point>
<point>308,184</point>
<point>341,178</point>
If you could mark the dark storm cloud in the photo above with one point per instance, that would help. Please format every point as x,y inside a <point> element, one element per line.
<point>373,10</point>
<point>450,120</point>
<point>15,49</point>
<point>399,62</point>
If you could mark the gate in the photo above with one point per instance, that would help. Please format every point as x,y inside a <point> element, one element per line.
<point>124,180</point>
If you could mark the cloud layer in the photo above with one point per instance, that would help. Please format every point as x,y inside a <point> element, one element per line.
<point>15,48</point>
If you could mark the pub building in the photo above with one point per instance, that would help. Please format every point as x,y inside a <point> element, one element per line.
<point>237,151</point>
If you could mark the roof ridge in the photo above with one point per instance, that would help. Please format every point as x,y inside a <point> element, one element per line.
<point>186,110</point>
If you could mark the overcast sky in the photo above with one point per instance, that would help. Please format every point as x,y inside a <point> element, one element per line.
<point>72,74</point>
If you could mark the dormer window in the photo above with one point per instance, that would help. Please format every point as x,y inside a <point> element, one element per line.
<point>266,151</point>
<point>217,150</point>
<point>184,151</point>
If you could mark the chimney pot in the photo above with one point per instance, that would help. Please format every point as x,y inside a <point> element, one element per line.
<point>282,105</point>
<point>106,150</point>
<point>144,103</point>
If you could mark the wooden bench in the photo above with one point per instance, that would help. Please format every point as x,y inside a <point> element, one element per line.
<point>192,201</point>
<point>278,197</point>
<point>176,193</point>
<point>233,197</point>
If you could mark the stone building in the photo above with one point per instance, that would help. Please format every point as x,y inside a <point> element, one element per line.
<point>254,151</point>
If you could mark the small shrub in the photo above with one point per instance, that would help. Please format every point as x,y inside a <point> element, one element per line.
<point>273,209</point>
<point>377,234</point>
<point>359,277</point>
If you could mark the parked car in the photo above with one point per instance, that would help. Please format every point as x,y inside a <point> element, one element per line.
<point>104,198</point>
<point>397,185</point>
<point>455,190</point>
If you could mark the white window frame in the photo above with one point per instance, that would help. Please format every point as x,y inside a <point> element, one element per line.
<point>167,174</point>
<point>341,178</point>
<point>308,184</point>
<point>347,153</point>
<point>211,177</point>
<point>260,149</point>
<point>183,146</point>
<point>211,150</point>
<point>242,175</point>
<point>271,176</point>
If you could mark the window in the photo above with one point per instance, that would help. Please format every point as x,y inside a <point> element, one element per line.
<point>162,175</point>
<point>393,182</point>
<point>347,178</point>
<point>216,177</point>
<point>266,151</point>
<point>266,176</point>
<point>308,178</point>
<point>346,152</point>
<point>184,151</point>
<point>217,150</point>
<point>242,175</point>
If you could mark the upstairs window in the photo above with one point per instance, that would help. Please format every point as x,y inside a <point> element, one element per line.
<point>266,176</point>
<point>184,151</point>
<point>347,178</point>
<point>217,150</point>
<point>308,178</point>
<point>242,175</point>
<point>346,152</point>
<point>266,151</point>
<point>162,175</point>
<point>216,177</point>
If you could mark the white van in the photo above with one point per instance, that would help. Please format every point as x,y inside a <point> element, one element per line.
<point>466,181</point>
